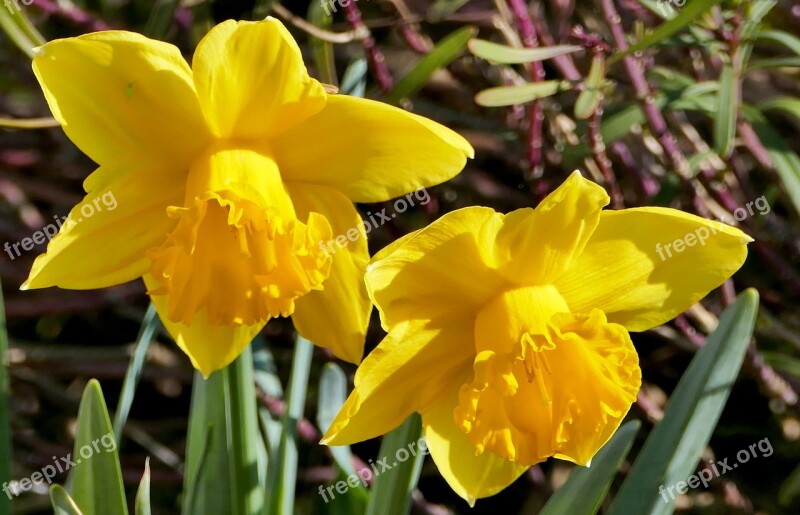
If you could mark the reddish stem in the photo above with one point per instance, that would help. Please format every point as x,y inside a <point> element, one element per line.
<point>377,62</point>
<point>528,34</point>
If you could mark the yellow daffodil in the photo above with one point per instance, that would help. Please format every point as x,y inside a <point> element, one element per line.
<point>509,333</point>
<point>230,176</point>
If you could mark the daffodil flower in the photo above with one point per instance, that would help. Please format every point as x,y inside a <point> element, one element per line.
<point>510,333</point>
<point>230,176</point>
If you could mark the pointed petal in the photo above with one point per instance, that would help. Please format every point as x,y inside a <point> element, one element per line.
<point>251,80</point>
<point>537,246</point>
<point>411,368</point>
<point>120,97</point>
<point>209,347</point>
<point>470,476</point>
<point>105,239</point>
<point>631,270</point>
<point>441,269</point>
<point>370,151</point>
<point>337,316</point>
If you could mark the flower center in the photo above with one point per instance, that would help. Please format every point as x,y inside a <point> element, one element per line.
<point>543,375</point>
<point>238,249</point>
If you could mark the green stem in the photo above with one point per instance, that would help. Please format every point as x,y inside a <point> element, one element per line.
<point>283,468</point>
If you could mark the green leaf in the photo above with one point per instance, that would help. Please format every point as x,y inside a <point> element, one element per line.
<point>790,488</point>
<point>782,362</point>
<point>282,474</point>
<point>586,487</point>
<point>775,62</point>
<point>786,39</point>
<point>392,489</point>
<point>785,161</point>
<point>150,324</point>
<point>160,20</point>
<point>513,95</point>
<point>332,394</point>
<point>143,493</point>
<point>676,444</point>
<point>727,110</point>
<point>354,80</point>
<point>322,51</point>
<point>5,427</point>
<point>442,54</point>
<point>592,94</point>
<point>504,54</point>
<point>62,503</point>
<point>223,440</point>
<point>789,105</point>
<point>20,30</point>
<point>95,482</point>
<point>686,15</point>
<point>442,9</point>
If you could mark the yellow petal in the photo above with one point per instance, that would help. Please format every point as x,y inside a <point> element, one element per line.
<point>337,316</point>
<point>370,151</point>
<point>122,97</point>
<point>628,271</point>
<point>442,269</point>
<point>415,364</point>
<point>471,476</point>
<point>252,82</point>
<point>537,246</point>
<point>210,347</point>
<point>108,234</point>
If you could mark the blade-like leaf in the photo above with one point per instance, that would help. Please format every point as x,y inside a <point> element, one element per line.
<point>676,444</point>
<point>62,503</point>
<point>354,80</point>
<point>443,8</point>
<point>785,161</point>
<point>223,439</point>
<point>513,95</point>
<point>391,491</point>
<point>322,51</point>
<point>20,30</point>
<point>687,14</point>
<point>143,493</point>
<point>332,394</point>
<point>727,110</point>
<point>95,482</point>
<point>504,54</point>
<point>160,20</point>
<point>789,105</point>
<point>586,487</point>
<point>775,62</point>
<point>282,472</point>
<point>447,50</point>
<point>592,94</point>
<point>786,39</point>
<point>150,324</point>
